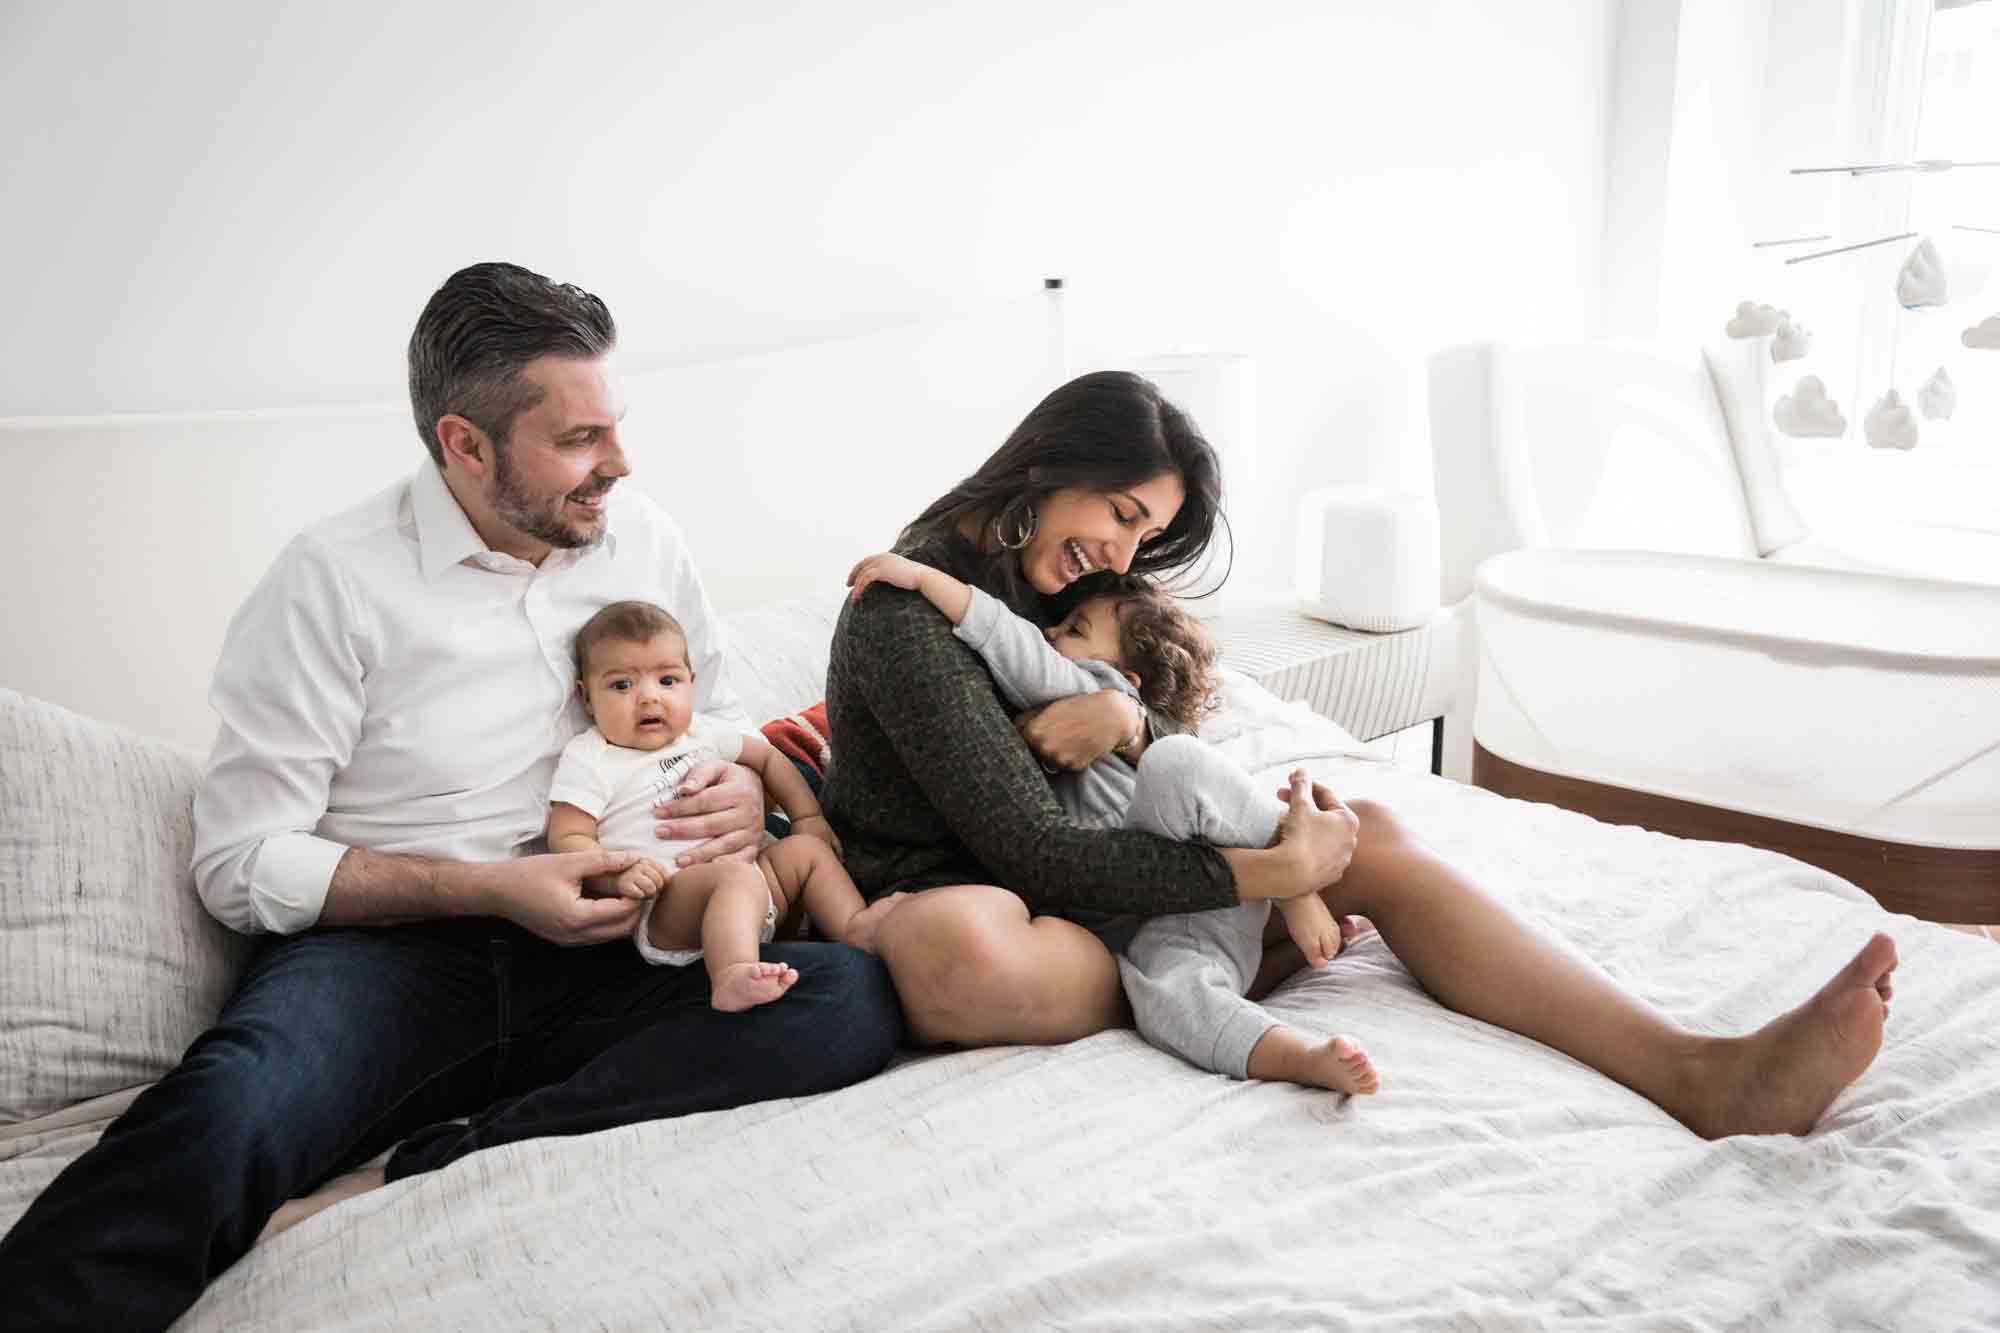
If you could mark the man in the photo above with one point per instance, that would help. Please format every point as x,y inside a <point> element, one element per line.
<point>393,697</point>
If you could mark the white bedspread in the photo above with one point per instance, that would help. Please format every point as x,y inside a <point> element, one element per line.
<point>1492,1184</point>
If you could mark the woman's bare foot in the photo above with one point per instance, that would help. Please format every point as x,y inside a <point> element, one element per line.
<point>1781,1078</point>
<point>327,1195</point>
<point>741,986</point>
<point>1286,1055</point>
<point>861,927</point>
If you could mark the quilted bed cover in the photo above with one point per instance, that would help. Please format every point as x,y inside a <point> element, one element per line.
<point>1492,1184</point>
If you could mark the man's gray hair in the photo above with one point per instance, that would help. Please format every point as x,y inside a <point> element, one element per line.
<point>479,330</point>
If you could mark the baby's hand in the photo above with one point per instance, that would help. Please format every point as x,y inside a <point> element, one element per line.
<point>1312,927</point>
<point>815,826</point>
<point>643,879</point>
<point>894,570</point>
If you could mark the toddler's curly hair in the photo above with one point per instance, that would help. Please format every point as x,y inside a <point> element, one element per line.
<point>1169,650</point>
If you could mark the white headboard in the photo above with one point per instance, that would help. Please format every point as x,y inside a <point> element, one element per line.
<point>131,540</point>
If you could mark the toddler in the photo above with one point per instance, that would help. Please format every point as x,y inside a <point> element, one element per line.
<point>632,672</point>
<point>1185,974</point>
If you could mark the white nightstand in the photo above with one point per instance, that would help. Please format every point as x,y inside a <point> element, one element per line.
<point>1372,684</point>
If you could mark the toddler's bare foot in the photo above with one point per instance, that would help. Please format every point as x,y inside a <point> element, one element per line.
<point>1339,1063</point>
<point>1781,1078</point>
<point>861,927</point>
<point>742,986</point>
<point>1286,1055</point>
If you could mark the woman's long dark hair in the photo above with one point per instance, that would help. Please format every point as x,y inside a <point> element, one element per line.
<point>1106,431</point>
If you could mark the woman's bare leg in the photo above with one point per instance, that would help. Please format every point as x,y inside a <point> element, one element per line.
<point>1477,957</point>
<point>974,969</point>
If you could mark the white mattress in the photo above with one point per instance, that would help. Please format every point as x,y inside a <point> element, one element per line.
<point>1492,1184</point>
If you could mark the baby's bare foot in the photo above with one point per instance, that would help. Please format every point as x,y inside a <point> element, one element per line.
<point>1339,1063</point>
<point>861,927</point>
<point>1781,1078</point>
<point>742,986</point>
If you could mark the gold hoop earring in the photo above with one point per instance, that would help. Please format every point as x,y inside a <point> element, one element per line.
<point>1024,530</point>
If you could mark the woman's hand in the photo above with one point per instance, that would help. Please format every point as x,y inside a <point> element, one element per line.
<point>1076,732</point>
<point>722,803</point>
<point>1316,836</point>
<point>894,570</point>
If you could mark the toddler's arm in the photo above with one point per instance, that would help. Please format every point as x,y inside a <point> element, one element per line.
<point>1028,671</point>
<point>940,589</point>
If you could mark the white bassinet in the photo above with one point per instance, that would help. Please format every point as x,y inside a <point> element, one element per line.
<point>1861,704</point>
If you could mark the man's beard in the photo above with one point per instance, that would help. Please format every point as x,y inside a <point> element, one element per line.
<point>537,516</point>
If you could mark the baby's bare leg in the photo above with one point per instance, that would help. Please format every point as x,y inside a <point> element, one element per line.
<point>720,907</point>
<point>1287,1055</point>
<point>801,867</point>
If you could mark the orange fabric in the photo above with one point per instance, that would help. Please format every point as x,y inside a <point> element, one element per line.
<point>803,736</point>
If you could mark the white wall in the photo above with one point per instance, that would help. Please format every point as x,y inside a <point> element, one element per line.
<point>239,205</point>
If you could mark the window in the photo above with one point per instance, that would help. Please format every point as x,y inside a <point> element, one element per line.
<point>1957,113</point>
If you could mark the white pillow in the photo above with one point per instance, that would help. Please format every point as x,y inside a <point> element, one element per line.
<point>775,656</point>
<point>109,966</point>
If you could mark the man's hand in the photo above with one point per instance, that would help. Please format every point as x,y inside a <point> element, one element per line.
<point>1076,732</point>
<point>721,803</point>
<point>546,895</point>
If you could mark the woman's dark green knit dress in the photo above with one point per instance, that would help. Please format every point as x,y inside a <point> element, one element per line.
<point>930,784</point>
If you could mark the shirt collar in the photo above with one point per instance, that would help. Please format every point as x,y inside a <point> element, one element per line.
<point>446,537</point>
<point>444,534</point>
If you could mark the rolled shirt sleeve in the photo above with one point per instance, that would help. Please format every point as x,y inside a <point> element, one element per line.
<point>288,693</point>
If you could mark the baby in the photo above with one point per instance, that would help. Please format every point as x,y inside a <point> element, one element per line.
<point>1186,974</point>
<point>632,672</point>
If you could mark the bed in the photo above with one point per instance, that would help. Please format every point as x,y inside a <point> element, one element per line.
<point>1492,1184</point>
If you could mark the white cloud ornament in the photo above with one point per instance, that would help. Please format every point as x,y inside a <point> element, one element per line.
<point>1891,424</point>
<point>1984,336</point>
<point>1791,340</point>
<point>1807,411</point>
<point>1922,281</point>
<point>1753,320</point>
<point>1938,399</point>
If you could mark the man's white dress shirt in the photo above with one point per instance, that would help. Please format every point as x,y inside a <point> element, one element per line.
<point>394,684</point>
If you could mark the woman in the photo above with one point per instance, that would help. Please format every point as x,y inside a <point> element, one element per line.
<point>934,793</point>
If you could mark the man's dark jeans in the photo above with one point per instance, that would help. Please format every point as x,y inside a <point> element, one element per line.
<point>339,1043</point>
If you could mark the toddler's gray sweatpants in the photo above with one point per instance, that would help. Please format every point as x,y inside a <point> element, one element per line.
<point>1185,975</point>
